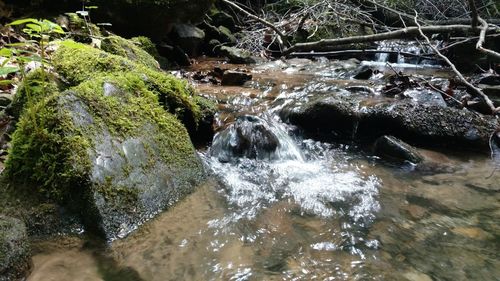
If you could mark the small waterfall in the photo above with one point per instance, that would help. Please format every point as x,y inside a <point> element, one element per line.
<point>260,164</point>
<point>396,50</point>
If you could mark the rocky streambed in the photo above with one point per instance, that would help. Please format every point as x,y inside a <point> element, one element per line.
<point>312,174</point>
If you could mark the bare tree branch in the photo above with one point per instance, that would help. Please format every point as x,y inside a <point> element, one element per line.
<point>264,22</point>
<point>476,91</point>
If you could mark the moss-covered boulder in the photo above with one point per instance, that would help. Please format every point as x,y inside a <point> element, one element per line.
<point>128,49</point>
<point>109,140</point>
<point>15,259</point>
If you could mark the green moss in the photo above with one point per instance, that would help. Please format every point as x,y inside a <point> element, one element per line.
<point>81,30</point>
<point>41,147</point>
<point>35,87</point>
<point>111,192</point>
<point>79,63</point>
<point>125,114</point>
<point>147,45</point>
<point>128,49</point>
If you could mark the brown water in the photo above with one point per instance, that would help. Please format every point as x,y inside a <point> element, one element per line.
<point>327,212</point>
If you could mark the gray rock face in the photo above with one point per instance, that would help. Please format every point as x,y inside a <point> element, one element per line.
<point>15,258</point>
<point>188,37</point>
<point>392,148</point>
<point>340,115</point>
<point>129,180</point>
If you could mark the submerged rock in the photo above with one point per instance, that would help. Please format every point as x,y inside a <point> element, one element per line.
<point>109,145</point>
<point>345,116</point>
<point>393,148</point>
<point>15,256</point>
<point>235,78</point>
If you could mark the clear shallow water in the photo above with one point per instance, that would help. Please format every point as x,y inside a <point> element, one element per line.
<point>327,212</point>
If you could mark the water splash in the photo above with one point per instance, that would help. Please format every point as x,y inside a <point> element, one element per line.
<point>320,186</point>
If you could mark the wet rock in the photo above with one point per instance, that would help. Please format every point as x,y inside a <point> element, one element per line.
<point>236,55</point>
<point>491,80</point>
<point>337,114</point>
<point>15,257</point>
<point>491,87</point>
<point>48,219</point>
<point>325,116</point>
<point>416,276</point>
<point>249,137</point>
<point>363,73</point>
<point>188,37</point>
<point>424,96</point>
<point>493,92</point>
<point>472,232</point>
<point>393,148</point>
<point>235,78</point>
<point>203,132</point>
<point>447,199</point>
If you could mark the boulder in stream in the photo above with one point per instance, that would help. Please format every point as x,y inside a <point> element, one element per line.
<point>249,137</point>
<point>341,115</point>
<point>107,143</point>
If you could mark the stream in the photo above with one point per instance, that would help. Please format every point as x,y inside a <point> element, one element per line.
<point>281,206</point>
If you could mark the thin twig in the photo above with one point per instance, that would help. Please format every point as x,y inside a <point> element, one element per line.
<point>263,21</point>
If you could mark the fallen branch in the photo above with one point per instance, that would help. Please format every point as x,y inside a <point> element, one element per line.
<point>397,34</point>
<point>361,52</point>
<point>476,91</point>
<point>459,21</point>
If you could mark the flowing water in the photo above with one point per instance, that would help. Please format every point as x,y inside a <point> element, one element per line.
<point>279,206</point>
